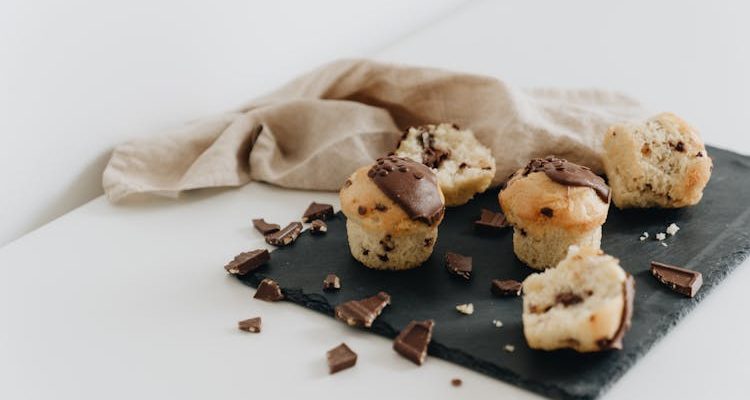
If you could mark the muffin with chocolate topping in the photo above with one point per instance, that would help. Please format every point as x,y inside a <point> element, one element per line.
<point>393,210</point>
<point>553,204</point>
<point>464,167</point>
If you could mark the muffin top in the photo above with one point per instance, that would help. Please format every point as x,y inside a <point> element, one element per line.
<point>557,192</point>
<point>395,194</point>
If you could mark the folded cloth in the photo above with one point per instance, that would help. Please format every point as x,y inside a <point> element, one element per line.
<point>313,132</point>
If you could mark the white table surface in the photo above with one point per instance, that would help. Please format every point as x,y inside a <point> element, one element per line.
<point>131,301</point>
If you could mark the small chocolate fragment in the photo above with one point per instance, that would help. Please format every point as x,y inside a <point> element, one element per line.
<point>363,312</point>
<point>264,227</point>
<point>317,211</point>
<point>412,342</point>
<point>247,262</point>
<point>568,299</point>
<point>456,382</point>
<point>458,264</point>
<point>250,325</point>
<point>681,280</point>
<point>680,146</point>
<point>318,227</point>
<point>506,288</point>
<point>547,212</point>
<point>340,358</point>
<point>268,290</point>
<point>285,236</point>
<point>331,282</point>
<point>490,221</point>
<point>362,210</point>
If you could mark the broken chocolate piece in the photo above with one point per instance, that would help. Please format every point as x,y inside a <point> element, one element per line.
<point>506,288</point>
<point>490,221</point>
<point>340,358</point>
<point>285,236</point>
<point>268,290</point>
<point>317,211</point>
<point>412,342</point>
<point>247,262</point>
<point>250,325</point>
<point>681,280</point>
<point>264,227</point>
<point>331,282</point>
<point>458,264</point>
<point>318,227</point>
<point>363,312</point>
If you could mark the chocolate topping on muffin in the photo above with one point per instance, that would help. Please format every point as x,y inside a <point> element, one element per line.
<point>567,173</point>
<point>411,185</point>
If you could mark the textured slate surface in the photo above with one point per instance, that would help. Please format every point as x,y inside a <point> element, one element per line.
<point>715,237</point>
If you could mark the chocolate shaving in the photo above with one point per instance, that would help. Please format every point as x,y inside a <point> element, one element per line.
<point>331,282</point>
<point>568,173</point>
<point>268,290</point>
<point>248,262</point>
<point>318,227</point>
<point>285,236</point>
<point>506,288</point>
<point>340,358</point>
<point>362,312</point>
<point>250,325</point>
<point>458,265</point>
<point>317,211</point>
<point>413,341</point>
<point>490,222</point>
<point>264,227</point>
<point>681,280</point>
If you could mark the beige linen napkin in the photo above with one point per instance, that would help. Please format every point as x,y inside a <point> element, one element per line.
<point>316,130</point>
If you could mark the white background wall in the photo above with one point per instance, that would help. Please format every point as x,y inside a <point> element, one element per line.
<point>79,76</point>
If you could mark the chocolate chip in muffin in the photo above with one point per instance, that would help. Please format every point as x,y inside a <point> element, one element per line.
<point>383,257</point>
<point>547,212</point>
<point>362,210</point>
<point>568,298</point>
<point>381,207</point>
<point>317,211</point>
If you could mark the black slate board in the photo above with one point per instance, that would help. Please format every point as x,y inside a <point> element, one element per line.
<point>715,237</point>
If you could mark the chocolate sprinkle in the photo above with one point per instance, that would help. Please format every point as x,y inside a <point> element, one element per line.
<point>568,173</point>
<point>264,227</point>
<point>248,262</point>
<point>332,282</point>
<point>681,280</point>
<point>490,222</point>
<point>362,312</point>
<point>413,341</point>
<point>458,265</point>
<point>250,325</point>
<point>317,211</point>
<point>318,227</point>
<point>340,358</point>
<point>506,288</point>
<point>268,290</point>
<point>419,197</point>
<point>285,236</point>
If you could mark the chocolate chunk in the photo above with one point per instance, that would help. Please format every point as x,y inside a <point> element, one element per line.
<point>628,292</point>
<point>417,191</point>
<point>458,265</point>
<point>247,262</point>
<point>569,174</point>
<point>680,146</point>
<point>331,282</point>
<point>490,222</point>
<point>268,290</point>
<point>506,288</point>
<point>387,243</point>
<point>285,236</point>
<point>362,210</point>
<point>318,227</point>
<point>340,358</point>
<point>264,227</point>
<point>547,212</point>
<point>681,280</point>
<point>250,325</point>
<point>568,299</point>
<point>412,342</point>
<point>456,382</point>
<point>317,211</point>
<point>363,312</point>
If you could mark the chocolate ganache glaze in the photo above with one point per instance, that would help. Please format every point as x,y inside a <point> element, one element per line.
<point>411,185</point>
<point>568,173</point>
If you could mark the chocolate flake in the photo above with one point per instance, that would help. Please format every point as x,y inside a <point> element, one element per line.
<point>458,265</point>
<point>268,290</point>
<point>248,262</point>
<point>250,325</point>
<point>568,173</point>
<point>413,341</point>
<point>332,282</point>
<point>318,227</point>
<point>362,312</point>
<point>317,211</point>
<point>285,236</point>
<point>506,288</point>
<point>428,242</point>
<point>490,222</point>
<point>340,358</point>
<point>681,280</point>
<point>264,227</point>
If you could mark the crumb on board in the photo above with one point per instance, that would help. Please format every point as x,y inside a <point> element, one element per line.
<point>509,348</point>
<point>644,236</point>
<point>661,236</point>
<point>663,244</point>
<point>497,323</point>
<point>467,309</point>
<point>672,229</point>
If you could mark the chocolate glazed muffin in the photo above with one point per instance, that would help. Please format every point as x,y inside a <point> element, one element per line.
<point>393,210</point>
<point>553,204</point>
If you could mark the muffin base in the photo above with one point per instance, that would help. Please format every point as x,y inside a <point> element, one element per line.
<point>380,250</point>
<point>545,251</point>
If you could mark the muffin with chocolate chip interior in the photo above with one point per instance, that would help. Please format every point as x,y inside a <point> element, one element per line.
<point>585,303</point>
<point>464,167</point>
<point>393,210</point>
<point>553,204</point>
<point>661,162</point>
